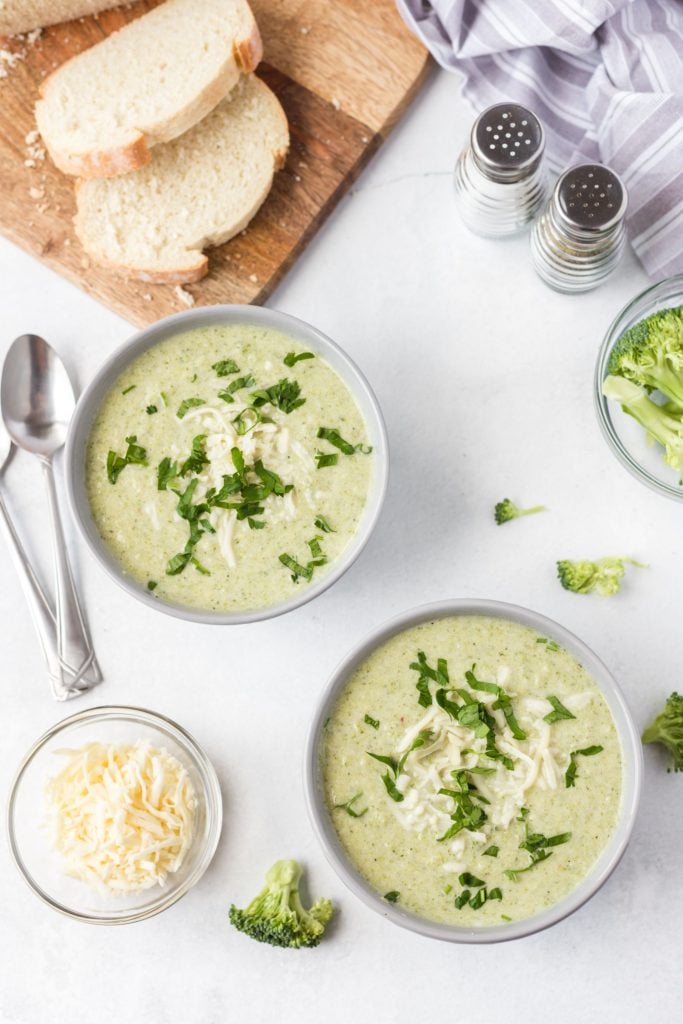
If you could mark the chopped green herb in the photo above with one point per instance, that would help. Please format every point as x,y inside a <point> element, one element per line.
<point>236,385</point>
<point>505,917</point>
<point>297,570</point>
<point>466,878</point>
<point>385,759</point>
<point>164,398</point>
<point>199,567</point>
<point>447,889</point>
<point>224,367</point>
<point>491,851</point>
<point>193,378</point>
<point>463,899</point>
<point>322,524</point>
<point>167,471</point>
<point>374,722</point>
<point>151,409</point>
<point>349,808</point>
<point>291,358</point>
<point>478,900</point>
<point>494,894</point>
<point>285,395</point>
<point>131,387</point>
<point>135,455</point>
<point>322,460</point>
<point>197,457</point>
<point>187,404</point>
<point>570,774</point>
<point>152,584</point>
<point>537,846</point>
<point>335,439</point>
<point>424,736</point>
<point>248,419</point>
<point>391,789</point>
<point>392,897</point>
<point>559,711</point>
<point>551,645</point>
<point>316,550</point>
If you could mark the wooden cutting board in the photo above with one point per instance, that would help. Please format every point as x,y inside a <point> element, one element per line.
<point>344,71</point>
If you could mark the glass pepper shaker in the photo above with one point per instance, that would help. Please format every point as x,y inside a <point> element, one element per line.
<point>500,184</point>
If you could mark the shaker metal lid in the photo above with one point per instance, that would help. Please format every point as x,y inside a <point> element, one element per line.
<point>591,197</point>
<point>507,141</point>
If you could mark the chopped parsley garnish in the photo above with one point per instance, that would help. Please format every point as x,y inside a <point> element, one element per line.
<point>503,702</point>
<point>538,847</point>
<point>224,367</point>
<point>167,471</point>
<point>248,419</point>
<point>491,851</point>
<point>236,385</point>
<point>570,774</point>
<point>374,722</point>
<point>479,899</point>
<point>152,584</point>
<point>322,524</point>
<point>494,894</point>
<point>466,878</point>
<point>135,455</point>
<point>559,711</point>
<point>391,789</point>
<point>285,395</point>
<point>463,899</point>
<point>197,457</point>
<point>334,437</point>
<point>151,409</point>
<point>324,459</point>
<point>350,809</point>
<point>392,897</point>
<point>551,645</point>
<point>131,387</point>
<point>299,571</point>
<point>292,357</point>
<point>187,404</point>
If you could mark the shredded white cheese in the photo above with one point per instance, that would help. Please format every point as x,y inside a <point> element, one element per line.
<point>451,746</point>
<point>122,816</point>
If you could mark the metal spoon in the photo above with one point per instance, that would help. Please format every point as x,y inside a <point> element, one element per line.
<point>37,402</point>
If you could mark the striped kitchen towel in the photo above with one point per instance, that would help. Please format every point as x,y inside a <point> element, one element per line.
<point>604,76</point>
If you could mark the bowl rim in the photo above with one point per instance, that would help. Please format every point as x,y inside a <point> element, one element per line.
<point>632,757</point>
<point>602,404</point>
<point>212,791</point>
<point>94,392</point>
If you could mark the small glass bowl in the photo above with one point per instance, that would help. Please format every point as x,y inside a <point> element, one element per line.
<point>625,436</point>
<point>29,841</point>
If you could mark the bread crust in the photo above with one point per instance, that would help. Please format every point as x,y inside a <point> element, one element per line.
<point>135,151</point>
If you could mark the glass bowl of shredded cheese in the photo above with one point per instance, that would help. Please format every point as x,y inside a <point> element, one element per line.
<point>114,814</point>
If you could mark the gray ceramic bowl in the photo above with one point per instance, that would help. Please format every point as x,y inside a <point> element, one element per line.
<point>308,337</point>
<point>608,859</point>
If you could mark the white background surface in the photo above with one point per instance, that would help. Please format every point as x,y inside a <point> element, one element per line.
<point>485,378</point>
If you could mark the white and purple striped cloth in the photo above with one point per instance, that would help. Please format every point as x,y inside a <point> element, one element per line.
<point>604,76</point>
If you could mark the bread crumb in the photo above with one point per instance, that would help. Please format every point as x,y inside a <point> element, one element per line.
<point>29,163</point>
<point>305,29</point>
<point>335,103</point>
<point>31,137</point>
<point>36,193</point>
<point>297,177</point>
<point>253,277</point>
<point>365,139</point>
<point>147,297</point>
<point>34,36</point>
<point>183,295</point>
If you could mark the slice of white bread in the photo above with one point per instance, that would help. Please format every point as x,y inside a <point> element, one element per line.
<point>197,191</point>
<point>102,111</point>
<point>25,15</point>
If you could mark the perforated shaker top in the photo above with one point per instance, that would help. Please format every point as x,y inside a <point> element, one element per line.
<point>591,196</point>
<point>507,141</point>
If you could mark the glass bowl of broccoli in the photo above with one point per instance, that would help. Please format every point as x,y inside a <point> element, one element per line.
<point>639,387</point>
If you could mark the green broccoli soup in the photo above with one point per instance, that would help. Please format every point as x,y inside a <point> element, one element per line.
<point>228,468</point>
<point>472,771</point>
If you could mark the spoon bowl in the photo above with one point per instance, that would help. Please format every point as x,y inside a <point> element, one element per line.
<point>37,397</point>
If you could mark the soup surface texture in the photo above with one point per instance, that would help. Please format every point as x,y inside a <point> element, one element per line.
<point>223,472</point>
<point>500,776</point>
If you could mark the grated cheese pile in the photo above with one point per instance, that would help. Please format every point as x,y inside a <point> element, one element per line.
<point>451,746</point>
<point>121,816</point>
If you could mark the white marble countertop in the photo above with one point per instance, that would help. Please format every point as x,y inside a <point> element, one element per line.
<point>461,342</point>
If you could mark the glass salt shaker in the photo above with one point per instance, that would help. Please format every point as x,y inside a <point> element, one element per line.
<point>579,238</point>
<point>500,184</point>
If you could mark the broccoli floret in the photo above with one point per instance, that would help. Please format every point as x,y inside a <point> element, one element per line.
<point>667,729</point>
<point>662,422</point>
<point>277,916</point>
<point>651,354</point>
<point>506,510</point>
<point>604,576</point>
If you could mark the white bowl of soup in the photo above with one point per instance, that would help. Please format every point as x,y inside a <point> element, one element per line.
<point>227,464</point>
<point>473,771</point>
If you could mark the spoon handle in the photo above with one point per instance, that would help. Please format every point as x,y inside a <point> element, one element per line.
<point>78,667</point>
